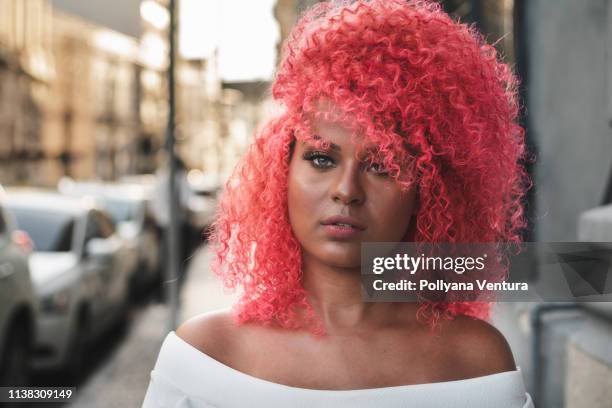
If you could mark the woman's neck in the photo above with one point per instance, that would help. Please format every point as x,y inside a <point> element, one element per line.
<point>336,296</point>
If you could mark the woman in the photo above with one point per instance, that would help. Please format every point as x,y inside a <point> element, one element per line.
<point>399,124</point>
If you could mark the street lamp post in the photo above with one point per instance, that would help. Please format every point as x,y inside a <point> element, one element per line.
<point>173,228</point>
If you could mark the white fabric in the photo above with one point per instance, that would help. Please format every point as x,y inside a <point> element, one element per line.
<point>184,377</point>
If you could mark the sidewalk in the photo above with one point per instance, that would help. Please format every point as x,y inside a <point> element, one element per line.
<point>123,379</point>
<point>202,292</point>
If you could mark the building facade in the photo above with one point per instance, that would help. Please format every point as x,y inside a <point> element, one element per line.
<point>81,100</point>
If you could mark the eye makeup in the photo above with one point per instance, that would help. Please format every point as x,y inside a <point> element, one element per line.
<point>318,159</point>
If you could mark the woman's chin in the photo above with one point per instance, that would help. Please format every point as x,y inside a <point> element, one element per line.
<point>346,258</point>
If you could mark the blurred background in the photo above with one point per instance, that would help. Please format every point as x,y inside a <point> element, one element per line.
<point>85,297</point>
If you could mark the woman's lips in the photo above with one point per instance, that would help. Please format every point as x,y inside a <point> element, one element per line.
<point>343,219</point>
<point>341,231</point>
<point>342,227</point>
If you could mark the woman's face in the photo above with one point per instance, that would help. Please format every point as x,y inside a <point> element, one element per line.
<point>336,201</point>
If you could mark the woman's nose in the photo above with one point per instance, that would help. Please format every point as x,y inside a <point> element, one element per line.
<point>348,188</point>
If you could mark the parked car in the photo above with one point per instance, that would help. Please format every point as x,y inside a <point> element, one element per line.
<point>128,205</point>
<point>78,271</point>
<point>203,200</point>
<point>17,303</point>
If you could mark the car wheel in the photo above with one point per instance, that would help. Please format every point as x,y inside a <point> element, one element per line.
<point>123,316</point>
<point>78,351</point>
<point>138,283</point>
<point>14,365</point>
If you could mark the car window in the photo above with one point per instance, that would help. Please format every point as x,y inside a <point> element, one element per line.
<point>50,231</point>
<point>107,228</point>
<point>121,210</point>
<point>98,226</point>
<point>93,228</point>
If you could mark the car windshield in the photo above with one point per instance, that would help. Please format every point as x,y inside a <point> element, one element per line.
<point>50,231</point>
<point>121,210</point>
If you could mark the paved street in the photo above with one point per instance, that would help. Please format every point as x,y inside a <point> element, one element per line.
<point>122,379</point>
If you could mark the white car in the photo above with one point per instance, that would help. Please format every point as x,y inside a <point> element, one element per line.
<point>128,205</point>
<point>78,271</point>
<point>203,204</point>
<point>17,303</point>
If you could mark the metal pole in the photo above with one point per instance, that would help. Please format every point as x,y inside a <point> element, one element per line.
<point>173,228</point>
<point>521,52</point>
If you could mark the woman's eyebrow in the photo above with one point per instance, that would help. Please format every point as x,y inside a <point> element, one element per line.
<point>366,150</point>
<point>333,146</point>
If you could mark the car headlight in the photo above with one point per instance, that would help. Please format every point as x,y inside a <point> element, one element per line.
<point>57,302</point>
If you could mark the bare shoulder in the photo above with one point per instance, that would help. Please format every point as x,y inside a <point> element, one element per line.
<point>479,348</point>
<point>214,333</point>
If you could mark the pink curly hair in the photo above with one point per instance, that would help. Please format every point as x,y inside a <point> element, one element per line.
<point>424,88</point>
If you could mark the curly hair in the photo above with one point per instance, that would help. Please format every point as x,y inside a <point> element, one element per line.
<point>424,88</point>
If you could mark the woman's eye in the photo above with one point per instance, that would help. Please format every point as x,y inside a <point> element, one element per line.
<point>319,160</point>
<point>379,169</point>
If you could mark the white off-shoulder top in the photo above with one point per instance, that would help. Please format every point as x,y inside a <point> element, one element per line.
<point>184,377</point>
